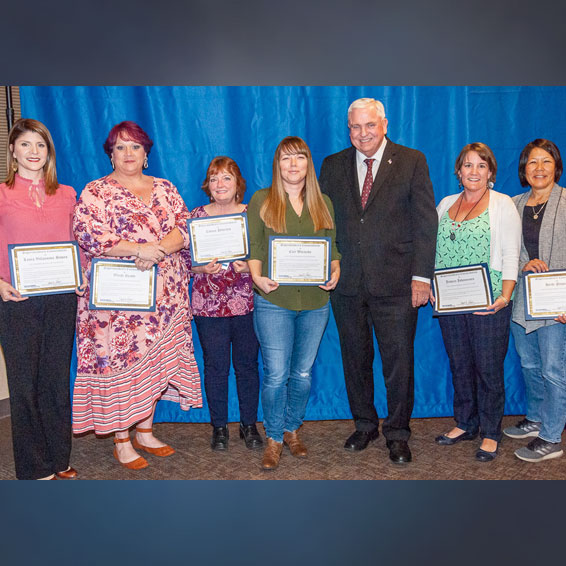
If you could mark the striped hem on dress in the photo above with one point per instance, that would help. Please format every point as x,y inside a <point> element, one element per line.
<point>110,403</point>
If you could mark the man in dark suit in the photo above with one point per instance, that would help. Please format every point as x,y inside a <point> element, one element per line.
<point>386,226</point>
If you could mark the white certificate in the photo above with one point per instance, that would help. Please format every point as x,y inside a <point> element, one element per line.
<point>120,285</point>
<point>459,290</point>
<point>45,268</point>
<point>222,237</point>
<point>299,261</point>
<point>545,295</point>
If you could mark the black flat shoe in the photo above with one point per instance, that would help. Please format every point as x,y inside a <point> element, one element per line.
<point>219,440</point>
<point>485,456</point>
<point>251,436</point>
<point>360,440</point>
<point>399,452</point>
<point>444,440</point>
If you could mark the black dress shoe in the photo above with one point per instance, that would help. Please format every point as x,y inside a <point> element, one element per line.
<point>399,452</point>
<point>485,456</point>
<point>219,440</point>
<point>444,440</point>
<point>360,440</point>
<point>251,436</point>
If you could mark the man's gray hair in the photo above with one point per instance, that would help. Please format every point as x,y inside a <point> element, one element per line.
<point>365,103</point>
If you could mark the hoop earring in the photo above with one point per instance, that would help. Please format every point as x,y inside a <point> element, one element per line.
<point>145,165</point>
<point>15,166</point>
<point>112,163</point>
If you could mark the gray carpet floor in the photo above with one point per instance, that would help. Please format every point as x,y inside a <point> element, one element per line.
<point>327,459</point>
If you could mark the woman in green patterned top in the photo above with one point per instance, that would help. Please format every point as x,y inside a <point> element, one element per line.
<point>478,225</point>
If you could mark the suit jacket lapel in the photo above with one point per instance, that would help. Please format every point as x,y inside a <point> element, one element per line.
<point>383,172</point>
<point>352,179</point>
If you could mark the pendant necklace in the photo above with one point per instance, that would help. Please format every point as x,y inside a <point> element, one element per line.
<point>454,227</point>
<point>537,212</point>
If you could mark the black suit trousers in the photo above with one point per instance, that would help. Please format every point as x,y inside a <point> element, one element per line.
<point>394,321</point>
<point>37,339</point>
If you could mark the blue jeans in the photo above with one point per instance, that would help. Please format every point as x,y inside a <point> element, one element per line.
<point>543,359</point>
<point>289,342</point>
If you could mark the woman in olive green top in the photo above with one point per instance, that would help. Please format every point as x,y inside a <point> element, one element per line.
<point>289,320</point>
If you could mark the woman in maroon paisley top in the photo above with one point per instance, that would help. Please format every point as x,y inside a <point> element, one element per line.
<point>128,360</point>
<point>222,301</point>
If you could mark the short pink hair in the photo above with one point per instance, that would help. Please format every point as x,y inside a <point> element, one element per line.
<point>129,131</point>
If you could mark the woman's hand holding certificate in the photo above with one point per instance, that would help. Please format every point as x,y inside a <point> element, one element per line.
<point>45,268</point>
<point>121,285</point>
<point>221,238</point>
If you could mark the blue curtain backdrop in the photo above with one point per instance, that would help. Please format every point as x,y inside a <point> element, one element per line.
<point>191,125</point>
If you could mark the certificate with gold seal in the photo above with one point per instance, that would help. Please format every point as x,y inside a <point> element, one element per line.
<point>45,268</point>
<point>295,260</point>
<point>119,285</point>
<point>545,295</point>
<point>460,290</point>
<point>225,238</point>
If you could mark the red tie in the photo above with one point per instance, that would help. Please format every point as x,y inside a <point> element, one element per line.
<point>368,182</point>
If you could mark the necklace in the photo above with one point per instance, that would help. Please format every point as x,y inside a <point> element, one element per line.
<point>454,227</point>
<point>537,212</point>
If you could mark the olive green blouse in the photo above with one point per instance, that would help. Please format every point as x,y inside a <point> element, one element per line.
<point>292,297</point>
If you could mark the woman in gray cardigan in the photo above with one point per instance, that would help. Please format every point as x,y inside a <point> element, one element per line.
<point>541,344</point>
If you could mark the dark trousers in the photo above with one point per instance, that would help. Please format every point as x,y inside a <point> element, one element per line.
<point>37,339</point>
<point>476,347</point>
<point>217,335</point>
<point>394,321</point>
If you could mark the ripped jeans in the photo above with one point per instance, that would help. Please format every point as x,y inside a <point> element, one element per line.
<point>289,342</point>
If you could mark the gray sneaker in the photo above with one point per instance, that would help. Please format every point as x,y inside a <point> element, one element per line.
<point>522,429</point>
<point>538,450</point>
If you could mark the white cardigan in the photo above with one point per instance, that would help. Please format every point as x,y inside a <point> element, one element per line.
<point>505,226</point>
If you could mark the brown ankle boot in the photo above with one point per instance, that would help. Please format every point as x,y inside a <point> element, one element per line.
<point>271,454</point>
<point>295,444</point>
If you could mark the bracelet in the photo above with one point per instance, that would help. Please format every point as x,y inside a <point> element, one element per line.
<point>137,250</point>
<point>504,300</point>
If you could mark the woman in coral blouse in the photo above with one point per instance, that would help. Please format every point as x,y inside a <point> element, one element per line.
<point>36,332</point>
<point>128,360</point>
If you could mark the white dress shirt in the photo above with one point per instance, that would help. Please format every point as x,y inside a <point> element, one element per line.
<point>362,166</point>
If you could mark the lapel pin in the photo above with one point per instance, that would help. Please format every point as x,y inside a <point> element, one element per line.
<point>389,161</point>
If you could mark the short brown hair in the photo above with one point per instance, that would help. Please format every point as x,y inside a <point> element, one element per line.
<point>484,151</point>
<point>223,163</point>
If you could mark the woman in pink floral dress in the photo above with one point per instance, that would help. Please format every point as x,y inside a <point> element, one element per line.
<point>222,304</point>
<point>128,360</point>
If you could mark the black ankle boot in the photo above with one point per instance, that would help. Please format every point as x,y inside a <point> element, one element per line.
<point>219,440</point>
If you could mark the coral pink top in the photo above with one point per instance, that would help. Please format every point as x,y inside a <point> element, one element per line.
<point>22,221</point>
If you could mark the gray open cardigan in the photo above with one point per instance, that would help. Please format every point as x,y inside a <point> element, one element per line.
<point>552,249</point>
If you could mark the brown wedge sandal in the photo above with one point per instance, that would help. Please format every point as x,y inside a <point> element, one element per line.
<point>162,451</point>
<point>137,464</point>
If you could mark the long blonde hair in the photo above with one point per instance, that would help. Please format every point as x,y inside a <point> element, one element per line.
<point>274,207</point>
<point>49,170</point>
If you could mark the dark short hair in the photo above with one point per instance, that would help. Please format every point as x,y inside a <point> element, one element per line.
<point>484,151</point>
<point>129,131</point>
<point>223,163</point>
<point>549,147</point>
